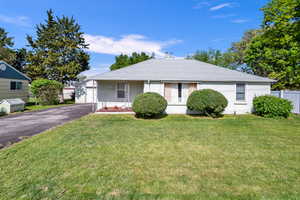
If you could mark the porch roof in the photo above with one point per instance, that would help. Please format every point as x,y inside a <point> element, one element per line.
<point>178,70</point>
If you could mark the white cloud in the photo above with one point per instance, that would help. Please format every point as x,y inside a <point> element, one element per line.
<point>127,44</point>
<point>223,16</point>
<point>220,6</point>
<point>201,4</point>
<point>18,20</point>
<point>240,21</point>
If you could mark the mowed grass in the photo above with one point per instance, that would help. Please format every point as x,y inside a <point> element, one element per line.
<point>177,157</point>
<point>31,105</point>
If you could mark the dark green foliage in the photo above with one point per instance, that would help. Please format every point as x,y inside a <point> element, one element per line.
<point>271,106</point>
<point>46,91</point>
<point>149,105</point>
<point>207,102</point>
<point>19,62</point>
<point>238,51</point>
<point>14,57</point>
<point>125,60</point>
<point>6,43</point>
<point>58,52</point>
<point>216,57</point>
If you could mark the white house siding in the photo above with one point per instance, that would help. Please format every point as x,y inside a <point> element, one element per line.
<point>6,93</point>
<point>84,92</point>
<point>107,94</point>
<point>228,89</point>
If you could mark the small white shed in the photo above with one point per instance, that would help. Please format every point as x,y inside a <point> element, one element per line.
<point>86,92</point>
<point>11,105</point>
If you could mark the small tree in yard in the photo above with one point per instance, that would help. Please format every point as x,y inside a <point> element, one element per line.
<point>46,91</point>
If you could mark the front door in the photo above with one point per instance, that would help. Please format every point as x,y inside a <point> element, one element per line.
<point>177,93</point>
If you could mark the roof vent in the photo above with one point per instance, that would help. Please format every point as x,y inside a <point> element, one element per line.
<point>2,67</point>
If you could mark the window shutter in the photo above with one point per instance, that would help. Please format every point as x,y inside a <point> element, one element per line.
<point>192,87</point>
<point>168,91</point>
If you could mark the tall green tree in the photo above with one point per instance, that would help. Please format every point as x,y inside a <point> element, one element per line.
<point>58,51</point>
<point>239,48</point>
<point>276,52</point>
<point>6,44</point>
<point>19,62</point>
<point>125,60</point>
<point>216,57</point>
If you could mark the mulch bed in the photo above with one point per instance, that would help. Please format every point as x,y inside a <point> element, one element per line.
<point>115,109</point>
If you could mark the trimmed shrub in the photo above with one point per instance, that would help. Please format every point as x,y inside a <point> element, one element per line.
<point>272,107</point>
<point>46,91</point>
<point>207,102</point>
<point>149,105</point>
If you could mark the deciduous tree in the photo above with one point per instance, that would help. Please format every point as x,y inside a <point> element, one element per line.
<point>125,60</point>
<point>276,52</point>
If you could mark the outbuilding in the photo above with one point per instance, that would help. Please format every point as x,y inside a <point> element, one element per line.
<point>11,105</point>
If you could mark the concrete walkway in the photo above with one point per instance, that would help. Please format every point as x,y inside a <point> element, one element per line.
<point>17,126</point>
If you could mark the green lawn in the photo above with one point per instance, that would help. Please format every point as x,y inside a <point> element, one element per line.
<point>177,157</point>
<point>31,105</point>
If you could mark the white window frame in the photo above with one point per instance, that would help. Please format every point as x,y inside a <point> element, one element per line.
<point>245,92</point>
<point>117,89</point>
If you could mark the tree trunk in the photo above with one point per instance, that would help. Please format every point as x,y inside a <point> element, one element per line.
<point>61,96</point>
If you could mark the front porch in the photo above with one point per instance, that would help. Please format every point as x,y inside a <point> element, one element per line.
<point>117,96</point>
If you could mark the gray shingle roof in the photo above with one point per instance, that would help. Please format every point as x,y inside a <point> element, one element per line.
<point>178,70</point>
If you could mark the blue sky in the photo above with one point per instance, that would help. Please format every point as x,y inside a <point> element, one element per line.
<point>118,26</point>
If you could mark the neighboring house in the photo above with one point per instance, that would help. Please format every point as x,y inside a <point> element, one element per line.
<point>69,92</point>
<point>176,79</point>
<point>85,91</point>
<point>13,84</point>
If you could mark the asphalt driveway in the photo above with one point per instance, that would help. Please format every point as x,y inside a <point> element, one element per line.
<point>16,127</point>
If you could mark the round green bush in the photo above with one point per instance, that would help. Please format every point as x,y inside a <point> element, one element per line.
<point>46,91</point>
<point>207,102</point>
<point>272,107</point>
<point>149,105</point>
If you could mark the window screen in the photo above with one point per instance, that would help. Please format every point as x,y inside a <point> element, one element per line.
<point>240,92</point>
<point>121,90</point>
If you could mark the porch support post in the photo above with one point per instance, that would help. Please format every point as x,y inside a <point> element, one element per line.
<point>128,94</point>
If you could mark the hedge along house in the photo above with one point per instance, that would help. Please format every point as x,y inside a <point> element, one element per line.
<point>176,79</point>
<point>13,84</point>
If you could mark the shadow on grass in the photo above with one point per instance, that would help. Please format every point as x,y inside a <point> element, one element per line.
<point>160,116</point>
